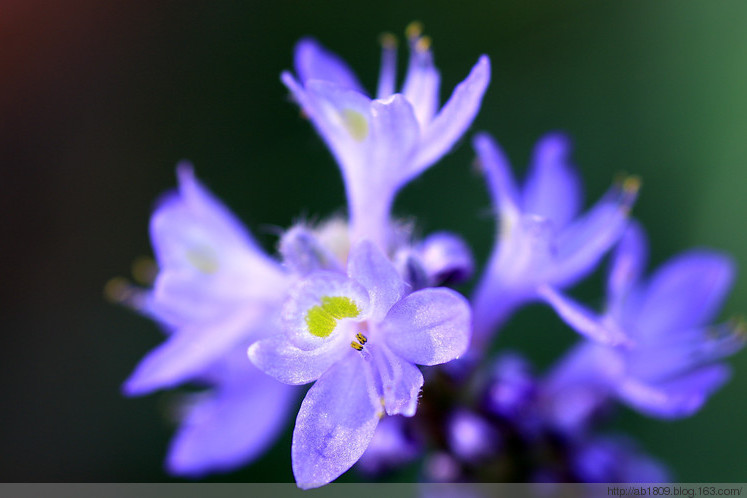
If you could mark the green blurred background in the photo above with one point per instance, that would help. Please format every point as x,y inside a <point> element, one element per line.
<point>99,100</point>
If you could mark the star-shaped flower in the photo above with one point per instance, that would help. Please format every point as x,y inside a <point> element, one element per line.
<point>543,242</point>
<point>384,142</point>
<point>359,337</point>
<point>215,293</point>
<point>670,365</point>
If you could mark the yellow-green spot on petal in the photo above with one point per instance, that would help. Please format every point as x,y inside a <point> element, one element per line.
<point>204,259</point>
<point>355,123</point>
<point>322,319</point>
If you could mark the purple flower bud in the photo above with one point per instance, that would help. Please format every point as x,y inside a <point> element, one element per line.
<point>472,438</point>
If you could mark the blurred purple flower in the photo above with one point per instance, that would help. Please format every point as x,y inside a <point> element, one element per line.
<point>472,438</point>
<point>441,259</point>
<point>391,447</point>
<point>224,427</point>
<point>383,143</point>
<point>511,388</point>
<point>670,365</point>
<point>542,240</point>
<point>359,336</point>
<point>615,459</point>
<point>215,293</point>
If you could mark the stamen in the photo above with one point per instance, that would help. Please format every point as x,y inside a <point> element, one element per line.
<point>739,326</point>
<point>362,339</point>
<point>144,270</point>
<point>628,186</point>
<point>632,184</point>
<point>423,44</point>
<point>388,73</point>
<point>388,41</point>
<point>414,30</point>
<point>118,290</point>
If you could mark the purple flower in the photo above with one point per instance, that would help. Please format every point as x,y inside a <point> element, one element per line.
<point>575,392</point>
<point>391,447</point>
<point>615,459</point>
<point>511,388</point>
<point>382,143</point>
<point>359,336</point>
<point>472,438</point>
<point>670,365</point>
<point>222,428</point>
<point>215,293</point>
<point>441,259</point>
<point>542,241</point>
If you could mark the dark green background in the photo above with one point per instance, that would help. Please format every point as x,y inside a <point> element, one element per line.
<point>99,100</point>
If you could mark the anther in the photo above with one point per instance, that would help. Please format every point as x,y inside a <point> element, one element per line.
<point>628,186</point>
<point>631,184</point>
<point>739,326</point>
<point>118,290</point>
<point>423,44</point>
<point>388,41</point>
<point>414,30</point>
<point>144,270</point>
<point>362,339</point>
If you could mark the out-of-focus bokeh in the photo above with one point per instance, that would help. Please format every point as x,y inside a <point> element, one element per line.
<point>99,100</point>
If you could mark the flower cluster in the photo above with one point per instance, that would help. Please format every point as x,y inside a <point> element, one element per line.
<point>354,305</point>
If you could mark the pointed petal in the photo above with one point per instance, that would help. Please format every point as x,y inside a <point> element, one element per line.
<point>395,134</point>
<point>314,62</point>
<point>686,292</point>
<point>192,349</point>
<point>428,327</point>
<point>336,422</point>
<point>519,263</point>
<point>581,319</point>
<point>207,262</point>
<point>668,355</point>
<point>369,267</point>
<point>455,116</point>
<point>373,184</point>
<point>401,381</point>
<point>628,264</point>
<point>421,84</point>
<point>583,242</point>
<point>203,207</point>
<point>224,429</point>
<point>581,382</point>
<point>501,182</point>
<point>586,363</point>
<point>280,359</point>
<point>340,116</point>
<point>553,188</point>
<point>678,398</point>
